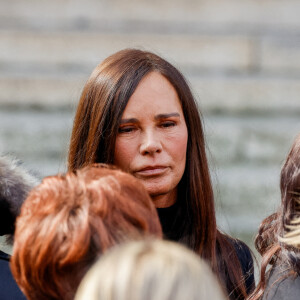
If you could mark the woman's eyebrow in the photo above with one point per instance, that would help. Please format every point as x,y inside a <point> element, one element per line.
<point>165,116</point>
<point>131,120</point>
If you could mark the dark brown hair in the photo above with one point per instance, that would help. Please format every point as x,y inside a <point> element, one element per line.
<point>96,125</point>
<point>69,220</point>
<point>269,242</point>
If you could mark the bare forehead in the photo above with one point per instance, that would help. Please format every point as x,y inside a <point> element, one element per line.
<point>154,95</point>
<point>156,82</point>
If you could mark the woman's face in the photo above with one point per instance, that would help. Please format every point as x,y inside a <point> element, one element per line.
<point>152,139</point>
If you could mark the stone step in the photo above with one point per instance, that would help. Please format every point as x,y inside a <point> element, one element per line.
<point>47,53</point>
<point>80,51</point>
<point>228,94</point>
<point>88,49</point>
<point>248,94</point>
<point>280,54</point>
<point>39,92</point>
<point>273,14</point>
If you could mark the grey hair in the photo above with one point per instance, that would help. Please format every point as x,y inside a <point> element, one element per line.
<point>15,184</point>
<point>150,270</point>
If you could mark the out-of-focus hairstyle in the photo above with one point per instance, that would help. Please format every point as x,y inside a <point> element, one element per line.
<point>15,184</point>
<point>279,234</point>
<point>150,270</point>
<point>96,124</point>
<point>69,220</point>
<point>292,228</point>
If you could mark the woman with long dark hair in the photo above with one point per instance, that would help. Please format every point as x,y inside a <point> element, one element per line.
<point>137,111</point>
<point>278,238</point>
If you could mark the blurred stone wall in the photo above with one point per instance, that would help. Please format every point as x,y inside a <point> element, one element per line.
<point>238,55</point>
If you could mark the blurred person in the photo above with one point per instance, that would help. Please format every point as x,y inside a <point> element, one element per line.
<point>69,220</point>
<point>137,112</point>
<point>278,239</point>
<point>15,184</point>
<point>150,270</point>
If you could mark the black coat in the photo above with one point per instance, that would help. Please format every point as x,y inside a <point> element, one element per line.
<point>171,225</point>
<point>9,289</point>
<point>280,286</point>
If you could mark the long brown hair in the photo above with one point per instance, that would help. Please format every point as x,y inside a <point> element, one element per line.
<point>96,125</point>
<point>69,220</point>
<point>270,241</point>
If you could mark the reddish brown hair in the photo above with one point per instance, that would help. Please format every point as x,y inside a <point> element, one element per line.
<point>268,240</point>
<point>69,220</point>
<point>96,124</point>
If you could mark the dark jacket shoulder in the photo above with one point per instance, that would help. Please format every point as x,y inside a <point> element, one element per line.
<point>8,287</point>
<point>282,286</point>
<point>246,261</point>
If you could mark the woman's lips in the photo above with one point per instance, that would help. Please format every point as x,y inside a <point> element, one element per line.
<point>151,171</point>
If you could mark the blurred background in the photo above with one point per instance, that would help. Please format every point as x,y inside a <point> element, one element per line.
<point>242,59</point>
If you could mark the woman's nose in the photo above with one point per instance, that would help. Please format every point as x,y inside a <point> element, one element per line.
<point>150,144</point>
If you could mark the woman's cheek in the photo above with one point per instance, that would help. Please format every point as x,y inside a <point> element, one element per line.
<point>178,142</point>
<point>124,153</point>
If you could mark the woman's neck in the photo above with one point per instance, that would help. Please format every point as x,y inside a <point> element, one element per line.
<point>164,200</point>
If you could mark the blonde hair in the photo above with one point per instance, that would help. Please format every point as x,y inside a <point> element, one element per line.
<point>290,187</point>
<point>148,270</point>
<point>292,234</point>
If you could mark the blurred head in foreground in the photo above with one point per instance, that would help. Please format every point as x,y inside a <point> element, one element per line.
<point>15,184</point>
<point>278,239</point>
<point>150,270</point>
<point>290,189</point>
<point>69,220</point>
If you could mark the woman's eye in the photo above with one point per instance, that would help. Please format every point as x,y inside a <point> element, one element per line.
<point>168,124</point>
<point>126,129</point>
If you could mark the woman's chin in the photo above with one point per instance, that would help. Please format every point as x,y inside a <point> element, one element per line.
<point>156,190</point>
<point>162,197</point>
